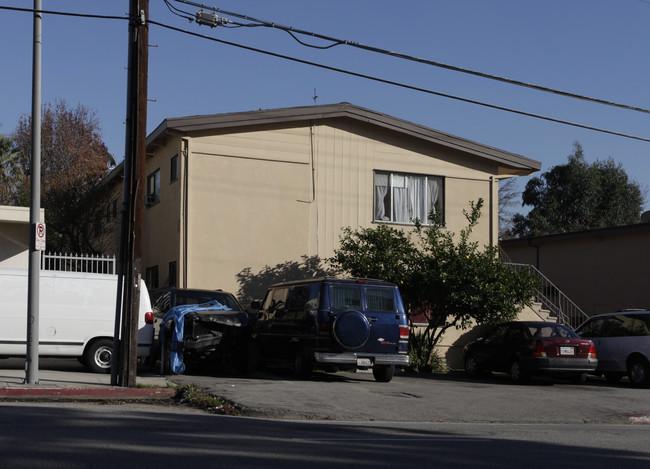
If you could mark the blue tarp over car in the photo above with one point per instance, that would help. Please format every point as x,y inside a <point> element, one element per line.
<point>177,314</point>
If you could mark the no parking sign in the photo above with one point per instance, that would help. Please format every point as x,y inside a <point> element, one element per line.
<point>39,243</point>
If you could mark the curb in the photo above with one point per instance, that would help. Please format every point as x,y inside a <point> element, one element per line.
<point>14,393</point>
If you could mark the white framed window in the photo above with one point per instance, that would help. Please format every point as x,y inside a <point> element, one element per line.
<point>405,198</point>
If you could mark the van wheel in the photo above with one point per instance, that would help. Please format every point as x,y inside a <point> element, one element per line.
<point>639,372</point>
<point>98,356</point>
<point>302,365</point>
<point>383,373</point>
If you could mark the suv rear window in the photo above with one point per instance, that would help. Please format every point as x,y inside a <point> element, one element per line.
<point>380,299</point>
<point>346,297</point>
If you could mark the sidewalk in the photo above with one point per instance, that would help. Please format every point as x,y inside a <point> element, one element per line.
<point>72,382</point>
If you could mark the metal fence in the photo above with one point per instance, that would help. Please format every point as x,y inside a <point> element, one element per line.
<point>95,264</point>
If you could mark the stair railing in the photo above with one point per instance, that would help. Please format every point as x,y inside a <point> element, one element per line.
<point>553,299</point>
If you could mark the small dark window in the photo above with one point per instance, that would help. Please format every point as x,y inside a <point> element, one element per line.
<point>153,188</point>
<point>151,277</point>
<point>172,274</point>
<point>173,169</point>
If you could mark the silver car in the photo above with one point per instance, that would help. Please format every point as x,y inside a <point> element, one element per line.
<point>622,341</point>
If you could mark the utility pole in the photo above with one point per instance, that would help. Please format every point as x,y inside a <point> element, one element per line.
<point>33,276</point>
<point>124,364</point>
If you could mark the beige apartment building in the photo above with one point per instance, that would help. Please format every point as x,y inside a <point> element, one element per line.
<point>241,200</point>
<point>235,201</point>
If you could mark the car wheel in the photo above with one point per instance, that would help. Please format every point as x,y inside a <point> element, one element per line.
<point>639,373</point>
<point>579,378</point>
<point>383,373</point>
<point>517,374</point>
<point>302,365</point>
<point>613,376</point>
<point>98,355</point>
<point>471,365</point>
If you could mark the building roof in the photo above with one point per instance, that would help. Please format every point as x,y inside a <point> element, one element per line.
<point>593,233</point>
<point>187,125</point>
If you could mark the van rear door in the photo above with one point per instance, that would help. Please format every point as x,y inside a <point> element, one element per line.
<point>384,319</point>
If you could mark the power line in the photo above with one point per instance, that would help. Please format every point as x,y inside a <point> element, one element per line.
<point>64,13</point>
<point>349,72</point>
<point>402,85</point>
<point>455,68</point>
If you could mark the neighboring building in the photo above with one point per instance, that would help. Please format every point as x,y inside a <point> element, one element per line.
<point>14,236</point>
<point>234,198</point>
<point>601,270</point>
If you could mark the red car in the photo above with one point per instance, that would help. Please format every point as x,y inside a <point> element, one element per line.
<point>528,348</point>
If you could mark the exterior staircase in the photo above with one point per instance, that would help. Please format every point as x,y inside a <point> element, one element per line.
<point>550,301</point>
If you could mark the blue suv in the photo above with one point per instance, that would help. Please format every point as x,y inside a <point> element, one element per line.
<point>335,323</point>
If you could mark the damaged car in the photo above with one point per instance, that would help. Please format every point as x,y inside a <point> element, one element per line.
<point>201,327</point>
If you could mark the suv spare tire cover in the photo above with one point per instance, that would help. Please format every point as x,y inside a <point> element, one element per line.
<point>351,329</point>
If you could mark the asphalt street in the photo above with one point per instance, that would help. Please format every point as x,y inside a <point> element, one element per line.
<point>427,398</point>
<point>75,435</point>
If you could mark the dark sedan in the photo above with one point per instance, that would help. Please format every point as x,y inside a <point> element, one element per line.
<point>528,348</point>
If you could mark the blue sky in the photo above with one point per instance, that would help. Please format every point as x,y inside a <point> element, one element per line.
<point>596,48</point>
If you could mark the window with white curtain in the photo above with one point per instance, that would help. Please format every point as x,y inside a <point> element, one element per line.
<point>405,198</point>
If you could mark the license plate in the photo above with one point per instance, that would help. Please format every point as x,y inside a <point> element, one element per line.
<point>567,351</point>
<point>364,362</point>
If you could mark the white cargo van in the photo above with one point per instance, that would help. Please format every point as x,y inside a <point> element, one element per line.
<point>76,316</point>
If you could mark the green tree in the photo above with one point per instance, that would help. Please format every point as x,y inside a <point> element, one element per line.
<point>579,196</point>
<point>448,282</point>
<point>74,160</point>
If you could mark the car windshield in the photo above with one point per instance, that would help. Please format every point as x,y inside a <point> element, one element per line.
<point>551,331</point>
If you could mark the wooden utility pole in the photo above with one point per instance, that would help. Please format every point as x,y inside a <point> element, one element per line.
<point>124,365</point>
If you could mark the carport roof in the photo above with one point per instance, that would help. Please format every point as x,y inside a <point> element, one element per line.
<point>187,125</point>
